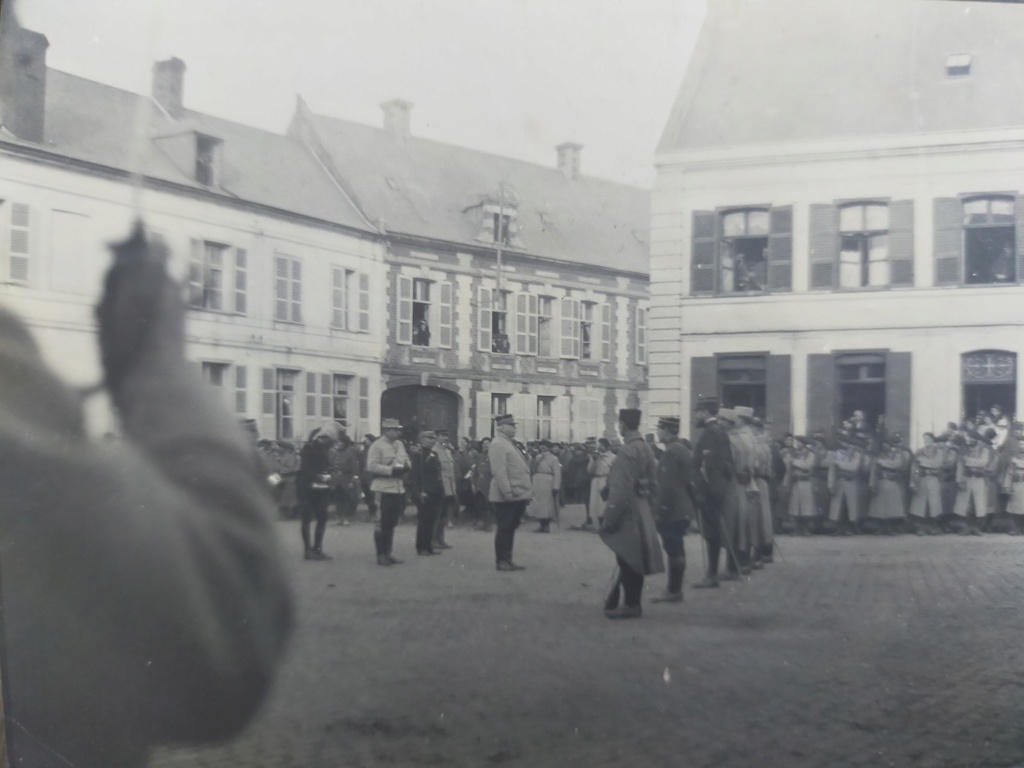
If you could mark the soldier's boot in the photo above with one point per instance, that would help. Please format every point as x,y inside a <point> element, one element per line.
<point>380,542</point>
<point>674,591</point>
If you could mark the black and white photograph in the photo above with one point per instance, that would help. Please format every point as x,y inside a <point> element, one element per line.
<point>514,383</point>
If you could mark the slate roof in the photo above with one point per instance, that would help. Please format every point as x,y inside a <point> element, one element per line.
<point>93,122</point>
<point>769,71</point>
<point>423,188</point>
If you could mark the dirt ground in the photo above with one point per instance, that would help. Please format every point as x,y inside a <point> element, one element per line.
<point>861,651</point>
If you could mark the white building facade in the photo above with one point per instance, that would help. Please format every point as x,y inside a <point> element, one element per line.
<point>811,265</point>
<point>280,317</point>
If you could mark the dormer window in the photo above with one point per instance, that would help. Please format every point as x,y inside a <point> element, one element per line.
<point>958,65</point>
<point>208,155</point>
<point>501,229</point>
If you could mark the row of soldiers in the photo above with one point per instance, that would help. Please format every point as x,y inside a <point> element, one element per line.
<point>959,480</point>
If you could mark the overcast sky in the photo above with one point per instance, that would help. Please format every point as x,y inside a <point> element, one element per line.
<point>513,77</point>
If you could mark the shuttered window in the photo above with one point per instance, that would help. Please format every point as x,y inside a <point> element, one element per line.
<point>606,332</point>
<point>287,289</point>
<point>526,324</point>
<point>778,376</point>
<point>404,310</point>
<point>339,297</point>
<point>241,389</point>
<point>821,392</point>
<point>824,243</point>
<point>570,346</point>
<point>20,242</point>
<point>641,335</point>
<point>703,253</point>
<point>364,302</point>
<point>780,250</point>
<point>484,319</point>
<point>947,217</point>
<point>444,315</point>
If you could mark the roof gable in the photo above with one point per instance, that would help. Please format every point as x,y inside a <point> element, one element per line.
<point>429,189</point>
<point>767,71</point>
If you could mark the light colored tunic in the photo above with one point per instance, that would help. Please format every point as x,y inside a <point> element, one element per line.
<point>598,468</point>
<point>546,479</point>
<point>926,482</point>
<point>801,497</point>
<point>888,474</point>
<point>1013,482</point>
<point>975,472</point>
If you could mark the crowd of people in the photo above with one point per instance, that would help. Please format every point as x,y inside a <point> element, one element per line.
<point>737,485</point>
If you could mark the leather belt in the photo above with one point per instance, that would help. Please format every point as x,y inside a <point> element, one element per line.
<point>847,475</point>
<point>975,473</point>
<point>890,474</point>
<point>801,474</point>
<point>931,473</point>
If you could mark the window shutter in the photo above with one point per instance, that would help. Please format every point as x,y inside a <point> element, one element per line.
<point>484,320</point>
<point>482,425</point>
<point>561,424</point>
<point>280,286</point>
<point>824,247</point>
<point>641,336</point>
<point>606,332</point>
<point>821,392</point>
<point>326,396</point>
<point>311,395</point>
<point>338,296</point>
<point>901,242</point>
<point>703,379</point>
<point>445,315</point>
<point>780,250</point>
<point>404,310</point>
<point>948,215</point>
<point>20,243</point>
<point>897,393</point>
<point>703,253</point>
<point>195,274</point>
<point>296,291</point>
<point>525,408</point>
<point>570,328</point>
<point>533,303</point>
<point>269,391</point>
<point>364,400</point>
<point>1019,236</point>
<point>778,394</point>
<point>364,302</point>
<point>522,323</point>
<point>241,389</point>
<point>241,281</point>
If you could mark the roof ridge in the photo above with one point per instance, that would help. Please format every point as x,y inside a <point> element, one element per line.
<point>461,148</point>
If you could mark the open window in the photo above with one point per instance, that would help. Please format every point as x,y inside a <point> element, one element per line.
<point>421,313</point>
<point>864,245</point>
<point>989,240</point>
<point>744,251</point>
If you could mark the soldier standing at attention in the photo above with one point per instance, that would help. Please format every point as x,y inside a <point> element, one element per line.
<point>449,503</point>
<point>712,469</point>
<point>673,507</point>
<point>762,479</point>
<point>973,475</point>
<point>1013,482</point>
<point>387,462</point>
<point>926,486</point>
<point>426,487</point>
<point>510,491</point>
<point>888,477</point>
<point>628,528</point>
<point>843,484</point>
<point>314,491</point>
<point>801,498</point>
<point>734,512</point>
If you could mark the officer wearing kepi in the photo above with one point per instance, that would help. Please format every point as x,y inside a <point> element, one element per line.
<point>673,506</point>
<point>712,469</point>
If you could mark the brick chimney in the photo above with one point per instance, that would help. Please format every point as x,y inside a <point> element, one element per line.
<point>169,86</point>
<point>23,82</point>
<point>397,118</point>
<point>569,160</point>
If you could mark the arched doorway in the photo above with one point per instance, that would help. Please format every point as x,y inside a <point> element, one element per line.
<point>421,408</point>
<point>988,377</point>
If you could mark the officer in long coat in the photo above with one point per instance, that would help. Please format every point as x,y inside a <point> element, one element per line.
<point>712,469</point>
<point>974,476</point>
<point>798,471</point>
<point>425,484</point>
<point>628,528</point>
<point>844,484</point>
<point>888,481</point>
<point>926,485</point>
<point>673,506</point>
<point>763,480</point>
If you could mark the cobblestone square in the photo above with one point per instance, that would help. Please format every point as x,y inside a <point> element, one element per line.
<point>872,651</point>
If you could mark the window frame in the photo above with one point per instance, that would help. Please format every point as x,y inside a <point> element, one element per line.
<point>293,289</point>
<point>864,203</point>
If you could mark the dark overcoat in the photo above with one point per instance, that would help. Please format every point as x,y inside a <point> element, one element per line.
<point>628,527</point>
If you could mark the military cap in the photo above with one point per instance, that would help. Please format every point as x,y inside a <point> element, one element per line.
<point>625,413</point>
<point>390,424</point>
<point>744,412</point>
<point>989,435</point>
<point>707,400</point>
<point>727,414</point>
<point>504,418</point>
<point>757,421</point>
<point>428,433</point>
<point>669,423</point>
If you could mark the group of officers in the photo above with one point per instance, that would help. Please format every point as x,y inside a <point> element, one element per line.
<point>736,484</point>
